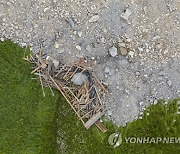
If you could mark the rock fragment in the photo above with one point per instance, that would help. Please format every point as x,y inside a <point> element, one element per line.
<point>94,18</point>
<point>131,54</point>
<point>141,103</point>
<point>169,83</point>
<point>126,14</point>
<point>71,22</point>
<point>56,63</point>
<point>162,73</point>
<point>155,101</point>
<point>106,69</point>
<point>78,47</point>
<point>122,44</point>
<point>123,51</point>
<point>56,45</point>
<point>113,51</point>
<point>79,79</point>
<point>79,33</point>
<point>89,47</point>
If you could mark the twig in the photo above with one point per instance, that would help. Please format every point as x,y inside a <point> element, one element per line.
<point>66,98</point>
<point>42,85</point>
<point>100,83</point>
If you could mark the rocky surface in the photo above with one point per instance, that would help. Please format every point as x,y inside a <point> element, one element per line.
<point>135,44</point>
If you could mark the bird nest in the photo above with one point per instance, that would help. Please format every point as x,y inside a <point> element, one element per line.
<point>84,92</point>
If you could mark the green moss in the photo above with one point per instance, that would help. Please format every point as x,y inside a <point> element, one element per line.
<point>73,138</point>
<point>27,123</point>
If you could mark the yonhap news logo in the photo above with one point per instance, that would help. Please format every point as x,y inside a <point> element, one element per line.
<point>151,140</point>
<point>116,140</point>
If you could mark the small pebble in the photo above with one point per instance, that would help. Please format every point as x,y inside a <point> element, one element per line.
<point>162,73</point>
<point>46,9</point>
<point>141,103</point>
<point>103,40</point>
<point>165,103</point>
<point>123,51</point>
<point>89,47</point>
<point>140,49</point>
<point>141,113</point>
<point>92,58</point>
<point>128,40</point>
<point>113,51</point>
<point>79,33</point>
<point>56,45</point>
<point>24,44</point>
<point>56,63</point>
<point>122,44</point>
<point>106,69</point>
<point>2,39</point>
<point>131,54</point>
<point>61,50</point>
<point>137,73</point>
<point>78,47</point>
<point>94,18</point>
<point>126,14</point>
<point>71,22</point>
<point>155,101</point>
<point>169,83</point>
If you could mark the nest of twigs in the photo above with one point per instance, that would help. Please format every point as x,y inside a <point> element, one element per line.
<point>87,100</point>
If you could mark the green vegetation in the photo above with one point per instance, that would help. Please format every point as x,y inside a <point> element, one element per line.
<point>30,123</point>
<point>162,121</point>
<point>27,119</point>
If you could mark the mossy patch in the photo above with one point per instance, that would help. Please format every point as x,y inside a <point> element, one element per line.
<point>158,121</point>
<point>27,123</point>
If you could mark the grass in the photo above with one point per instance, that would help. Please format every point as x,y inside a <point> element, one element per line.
<point>27,119</point>
<point>160,122</point>
<point>30,123</point>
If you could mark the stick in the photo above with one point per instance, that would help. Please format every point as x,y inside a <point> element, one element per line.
<point>37,68</point>
<point>60,70</point>
<point>66,98</point>
<point>42,85</point>
<point>100,83</point>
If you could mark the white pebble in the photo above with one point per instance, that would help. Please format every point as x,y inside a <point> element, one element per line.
<point>78,47</point>
<point>56,45</point>
<point>141,103</point>
<point>56,63</point>
<point>140,49</point>
<point>94,18</point>
<point>106,69</point>
<point>131,54</point>
<point>79,33</point>
<point>113,51</point>
<point>169,83</point>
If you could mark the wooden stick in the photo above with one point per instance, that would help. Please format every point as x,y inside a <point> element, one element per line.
<point>101,126</point>
<point>37,68</point>
<point>60,70</point>
<point>66,98</point>
<point>73,73</point>
<point>98,95</point>
<point>84,106</point>
<point>42,85</point>
<point>87,114</point>
<point>72,93</point>
<point>93,119</point>
<point>67,72</point>
<point>100,83</point>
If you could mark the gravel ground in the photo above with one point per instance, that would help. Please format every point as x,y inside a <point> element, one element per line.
<point>133,44</point>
